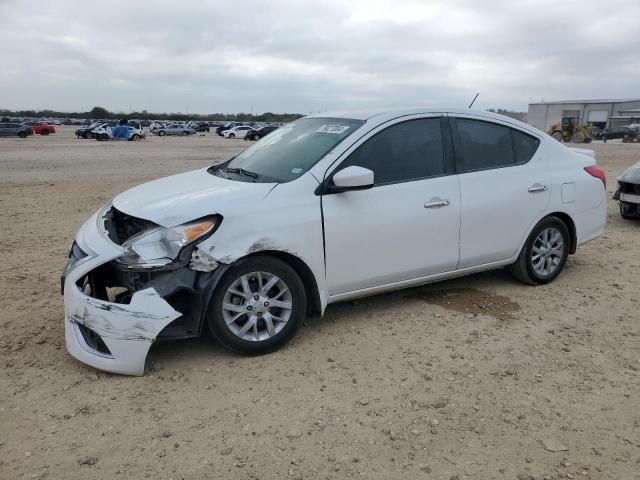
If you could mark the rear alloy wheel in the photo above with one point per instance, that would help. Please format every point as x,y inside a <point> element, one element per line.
<point>257,306</point>
<point>135,137</point>
<point>544,254</point>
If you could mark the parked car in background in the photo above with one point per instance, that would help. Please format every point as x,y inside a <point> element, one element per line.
<point>259,133</point>
<point>43,128</point>
<point>627,134</point>
<point>9,129</point>
<point>350,205</point>
<point>175,129</point>
<point>222,128</point>
<point>201,127</point>
<point>628,193</point>
<point>88,131</point>
<point>596,133</point>
<point>237,132</point>
<point>119,132</point>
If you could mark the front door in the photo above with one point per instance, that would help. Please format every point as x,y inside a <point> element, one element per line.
<point>407,225</point>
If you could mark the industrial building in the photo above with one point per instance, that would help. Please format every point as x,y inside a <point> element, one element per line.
<point>599,113</point>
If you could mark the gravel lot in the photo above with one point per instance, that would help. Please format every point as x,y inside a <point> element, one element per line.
<point>479,377</point>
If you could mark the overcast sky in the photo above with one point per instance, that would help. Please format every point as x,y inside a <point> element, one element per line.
<point>308,56</point>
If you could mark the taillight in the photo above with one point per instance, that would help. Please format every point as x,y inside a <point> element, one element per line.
<point>596,172</point>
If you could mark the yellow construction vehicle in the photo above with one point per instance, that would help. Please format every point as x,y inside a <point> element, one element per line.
<point>570,131</point>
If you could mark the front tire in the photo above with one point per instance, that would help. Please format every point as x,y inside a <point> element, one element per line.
<point>232,135</point>
<point>544,253</point>
<point>257,306</point>
<point>44,132</point>
<point>161,133</point>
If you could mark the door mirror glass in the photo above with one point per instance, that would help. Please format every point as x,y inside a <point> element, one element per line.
<point>352,178</point>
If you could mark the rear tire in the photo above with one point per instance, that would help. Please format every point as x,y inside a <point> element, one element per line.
<point>235,317</point>
<point>22,135</point>
<point>232,135</point>
<point>135,137</point>
<point>44,132</point>
<point>185,134</point>
<point>544,254</point>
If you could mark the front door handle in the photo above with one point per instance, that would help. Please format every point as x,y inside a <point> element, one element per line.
<point>536,187</point>
<point>437,204</point>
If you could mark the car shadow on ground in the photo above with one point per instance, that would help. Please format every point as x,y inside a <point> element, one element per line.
<point>471,294</point>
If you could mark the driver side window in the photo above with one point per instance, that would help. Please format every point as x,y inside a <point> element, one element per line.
<point>403,152</point>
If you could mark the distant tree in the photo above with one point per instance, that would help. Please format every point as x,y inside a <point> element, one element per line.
<point>99,112</point>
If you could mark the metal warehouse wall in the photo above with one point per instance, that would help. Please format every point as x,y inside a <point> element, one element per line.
<point>543,115</point>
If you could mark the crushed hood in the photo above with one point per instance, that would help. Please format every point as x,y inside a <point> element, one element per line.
<point>177,199</point>
<point>631,175</point>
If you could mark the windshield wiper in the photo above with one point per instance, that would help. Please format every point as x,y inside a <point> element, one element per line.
<point>242,171</point>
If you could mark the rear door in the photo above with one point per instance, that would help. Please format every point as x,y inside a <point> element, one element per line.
<point>504,187</point>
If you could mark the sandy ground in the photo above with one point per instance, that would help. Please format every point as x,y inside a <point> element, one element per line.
<point>464,379</point>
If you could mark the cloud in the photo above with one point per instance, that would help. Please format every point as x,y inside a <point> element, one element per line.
<point>311,56</point>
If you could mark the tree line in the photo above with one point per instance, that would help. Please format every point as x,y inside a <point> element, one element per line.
<point>103,114</point>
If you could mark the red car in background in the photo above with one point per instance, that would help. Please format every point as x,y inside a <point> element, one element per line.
<point>43,128</point>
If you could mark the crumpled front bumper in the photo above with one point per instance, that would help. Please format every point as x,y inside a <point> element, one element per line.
<point>126,330</point>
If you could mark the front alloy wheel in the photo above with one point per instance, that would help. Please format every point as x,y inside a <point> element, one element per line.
<point>257,306</point>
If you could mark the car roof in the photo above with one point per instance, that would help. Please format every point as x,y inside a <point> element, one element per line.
<point>383,115</point>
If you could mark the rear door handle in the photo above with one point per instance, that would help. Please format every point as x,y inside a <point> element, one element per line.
<point>536,187</point>
<point>437,204</point>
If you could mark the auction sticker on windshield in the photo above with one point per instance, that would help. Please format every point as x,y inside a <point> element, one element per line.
<point>338,129</point>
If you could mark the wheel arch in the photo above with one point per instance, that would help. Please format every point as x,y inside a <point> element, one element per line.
<point>571,226</point>
<point>314,304</point>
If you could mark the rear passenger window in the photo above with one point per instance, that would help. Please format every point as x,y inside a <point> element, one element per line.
<point>482,145</point>
<point>403,152</point>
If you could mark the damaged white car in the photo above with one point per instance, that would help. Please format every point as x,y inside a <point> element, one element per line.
<point>326,208</point>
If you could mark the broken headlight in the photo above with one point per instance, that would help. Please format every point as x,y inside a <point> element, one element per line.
<point>160,246</point>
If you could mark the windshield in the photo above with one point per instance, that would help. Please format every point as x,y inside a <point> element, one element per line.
<point>289,151</point>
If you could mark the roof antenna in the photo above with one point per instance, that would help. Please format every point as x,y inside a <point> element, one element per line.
<point>474,100</point>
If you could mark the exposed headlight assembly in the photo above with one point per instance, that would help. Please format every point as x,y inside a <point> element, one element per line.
<point>161,246</point>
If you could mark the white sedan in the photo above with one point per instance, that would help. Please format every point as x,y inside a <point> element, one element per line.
<point>324,209</point>
<point>237,132</point>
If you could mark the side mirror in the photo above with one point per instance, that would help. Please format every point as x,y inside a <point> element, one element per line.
<point>351,178</point>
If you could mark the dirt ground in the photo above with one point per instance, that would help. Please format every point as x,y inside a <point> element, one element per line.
<point>479,378</point>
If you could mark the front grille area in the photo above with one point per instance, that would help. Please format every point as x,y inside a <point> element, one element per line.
<point>76,253</point>
<point>631,188</point>
<point>121,227</point>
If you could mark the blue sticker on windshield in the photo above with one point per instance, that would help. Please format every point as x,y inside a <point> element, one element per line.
<point>297,171</point>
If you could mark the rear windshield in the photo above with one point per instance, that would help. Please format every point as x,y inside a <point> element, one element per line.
<point>288,152</point>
